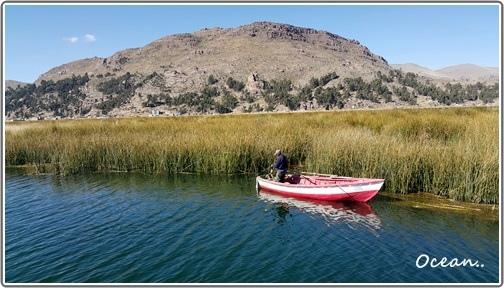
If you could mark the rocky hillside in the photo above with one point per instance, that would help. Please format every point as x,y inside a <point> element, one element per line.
<point>262,66</point>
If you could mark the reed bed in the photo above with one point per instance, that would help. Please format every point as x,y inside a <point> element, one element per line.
<point>452,152</point>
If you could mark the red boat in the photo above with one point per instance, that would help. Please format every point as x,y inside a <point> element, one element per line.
<point>322,187</point>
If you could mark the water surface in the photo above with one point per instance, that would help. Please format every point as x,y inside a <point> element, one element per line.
<point>136,228</point>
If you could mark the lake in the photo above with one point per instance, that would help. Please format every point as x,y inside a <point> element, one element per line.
<point>187,228</point>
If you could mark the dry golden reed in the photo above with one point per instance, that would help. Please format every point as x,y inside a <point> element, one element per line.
<point>453,152</point>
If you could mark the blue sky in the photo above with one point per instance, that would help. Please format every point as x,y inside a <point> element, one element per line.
<point>37,37</point>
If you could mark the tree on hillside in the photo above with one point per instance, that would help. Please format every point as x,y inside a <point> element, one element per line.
<point>212,80</point>
<point>235,84</point>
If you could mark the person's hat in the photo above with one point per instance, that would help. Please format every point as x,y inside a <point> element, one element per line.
<point>277,152</point>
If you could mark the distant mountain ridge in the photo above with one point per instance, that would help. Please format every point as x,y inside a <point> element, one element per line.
<point>457,73</point>
<point>13,83</point>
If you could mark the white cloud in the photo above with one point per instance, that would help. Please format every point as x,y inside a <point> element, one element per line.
<point>89,38</point>
<point>71,39</point>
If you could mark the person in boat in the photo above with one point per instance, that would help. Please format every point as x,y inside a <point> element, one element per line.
<point>281,166</point>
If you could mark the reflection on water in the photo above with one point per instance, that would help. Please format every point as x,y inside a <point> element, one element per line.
<point>353,214</point>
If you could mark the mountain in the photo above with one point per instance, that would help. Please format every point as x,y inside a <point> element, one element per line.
<point>457,73</point>
<point>271,50</point>
<point>262,66</point>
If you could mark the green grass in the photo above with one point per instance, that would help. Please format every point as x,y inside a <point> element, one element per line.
<point>452,152</point>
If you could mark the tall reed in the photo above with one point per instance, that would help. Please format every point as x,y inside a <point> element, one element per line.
<point>452,152</point>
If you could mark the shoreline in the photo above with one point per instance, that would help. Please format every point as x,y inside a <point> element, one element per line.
<point>418,200</point>
<point>150,116</point>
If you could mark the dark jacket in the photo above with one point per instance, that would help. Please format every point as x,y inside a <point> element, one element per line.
<point>281,163</point>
